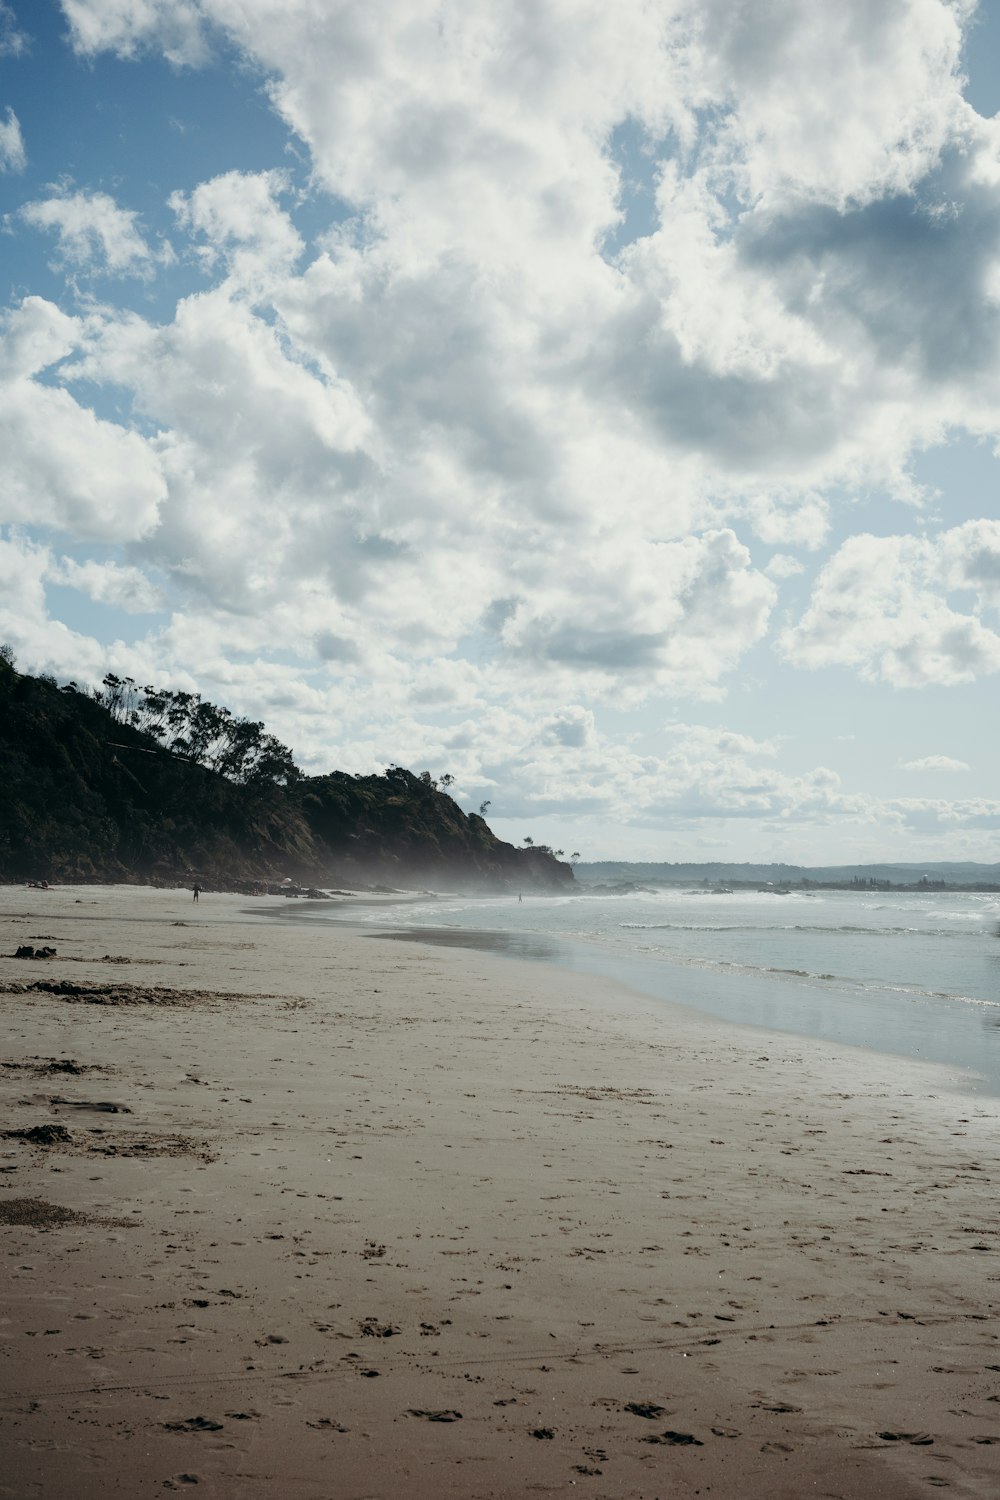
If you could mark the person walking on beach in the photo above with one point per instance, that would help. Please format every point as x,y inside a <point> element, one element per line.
<point>197,893</point>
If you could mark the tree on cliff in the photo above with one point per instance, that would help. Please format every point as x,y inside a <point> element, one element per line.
<point>239,749</point>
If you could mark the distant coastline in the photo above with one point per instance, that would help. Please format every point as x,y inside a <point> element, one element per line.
<point>611,875</point>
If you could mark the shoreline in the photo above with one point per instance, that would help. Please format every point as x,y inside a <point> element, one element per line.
<point>838,1016</point>
<point>651,979</point>
<point>589,1243</point>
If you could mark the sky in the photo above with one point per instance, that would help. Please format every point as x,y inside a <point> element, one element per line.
<point>597,404</point>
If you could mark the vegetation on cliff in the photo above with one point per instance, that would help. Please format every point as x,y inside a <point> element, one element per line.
<point>132,784</point>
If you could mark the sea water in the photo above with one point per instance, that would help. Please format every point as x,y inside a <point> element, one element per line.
<point>911,973</point>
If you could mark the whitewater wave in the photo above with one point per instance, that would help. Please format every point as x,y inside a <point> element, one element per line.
<point>828,981</point>
<point>821,928</point>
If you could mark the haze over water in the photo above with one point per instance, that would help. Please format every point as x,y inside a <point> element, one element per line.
<point>911,973</point>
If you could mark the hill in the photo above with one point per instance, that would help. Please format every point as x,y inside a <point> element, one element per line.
<point>87,796</point>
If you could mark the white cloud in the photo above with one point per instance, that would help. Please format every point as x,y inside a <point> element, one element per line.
<point>782,565</point>
<point>93,233</point>
<point>40,643</point>
<point>471,295</point>
<point>241,222</point>
<point>13,41</point>
<point>881,605</point>
<point>126,588</point>
<point>64,467</point>
<point>936,817</point>
<point>934,763</point>
<point>867,98</point>
<point>125,26</point>
<point>970,559</point>
<point>677,613</point>
<point>13,157</point>
<point>529,769</point>
<point>36,335</point>
<point>573,726</point>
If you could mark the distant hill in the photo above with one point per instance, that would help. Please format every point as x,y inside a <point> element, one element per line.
<point>605,872</point>
<point>85,796</point>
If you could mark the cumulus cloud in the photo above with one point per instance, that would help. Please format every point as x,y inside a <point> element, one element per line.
<point>240,220</point>
<point>573,726</point>
<point>782,565</point>
<point>13,157</point>
<point>908,274</point>
<point>677,613</point>
<point>125,26</point>
<point>64,467</point>
<point>40,642</point>
<point>882,605</point>
<point>469,296</point>
<point>934,763</point>
<point>93,233</point>
<point>970,559</point>
<point>868,93</point>
<point>936,817</point>
<point>567,765</point>
<point>475,143</point>
<point>127,588</point>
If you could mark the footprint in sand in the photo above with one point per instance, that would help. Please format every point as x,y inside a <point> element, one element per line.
<point>371,1328</point>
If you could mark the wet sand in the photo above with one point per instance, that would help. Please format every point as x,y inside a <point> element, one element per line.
<point>299,1211</point>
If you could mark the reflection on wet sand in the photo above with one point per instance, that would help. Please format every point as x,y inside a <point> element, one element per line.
<point>510,944</point>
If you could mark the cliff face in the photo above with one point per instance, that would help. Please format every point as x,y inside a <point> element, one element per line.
<point>84,797</point>
<point>399,829</point>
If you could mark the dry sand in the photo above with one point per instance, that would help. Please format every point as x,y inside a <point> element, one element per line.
<point>304,1212</point>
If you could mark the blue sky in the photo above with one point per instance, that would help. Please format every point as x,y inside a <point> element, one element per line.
<point>604,413</point>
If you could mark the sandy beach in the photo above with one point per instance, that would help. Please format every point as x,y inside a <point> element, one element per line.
<point>300,1211</point>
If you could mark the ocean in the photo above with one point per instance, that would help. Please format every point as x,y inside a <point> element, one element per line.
<point>910,973</point>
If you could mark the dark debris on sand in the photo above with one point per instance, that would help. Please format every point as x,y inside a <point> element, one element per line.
<point>194,1424</point>
<point>42,1065</point>
<point>141,1145</point>
<point>95,993</point>
<point>645,1409</point>
<point>38,1214</point>
<point>41,1135</point>
<point>96,1142</point>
